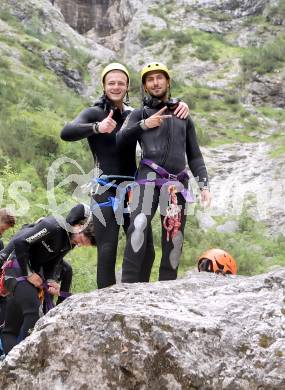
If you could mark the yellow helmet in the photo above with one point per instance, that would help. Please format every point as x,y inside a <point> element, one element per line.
<point>154,66</point>
<point>114,66</point>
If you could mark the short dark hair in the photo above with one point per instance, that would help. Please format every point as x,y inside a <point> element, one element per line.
<point>88,232</point>
<point>7,217</point>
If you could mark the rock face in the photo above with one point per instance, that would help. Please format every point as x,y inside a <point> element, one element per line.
<point>107,20</point>
<point>57,60</point>
<point>264,90</point>
<point>119,29</point>
<point>97,14</point>
<point>45,19</point>
<point>240,172</point>
<point>202,332</point>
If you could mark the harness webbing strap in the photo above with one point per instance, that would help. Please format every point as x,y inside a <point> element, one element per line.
<point>166,177</point>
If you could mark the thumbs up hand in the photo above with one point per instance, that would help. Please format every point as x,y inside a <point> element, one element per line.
<point>108,124</point>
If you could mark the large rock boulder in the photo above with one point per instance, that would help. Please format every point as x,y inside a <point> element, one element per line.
<point>201,332</point>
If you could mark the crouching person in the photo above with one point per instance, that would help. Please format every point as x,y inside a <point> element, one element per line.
<point>37,252</point>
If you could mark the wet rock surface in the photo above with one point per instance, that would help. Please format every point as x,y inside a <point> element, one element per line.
<point>201,332</point>
<point>245,176</point>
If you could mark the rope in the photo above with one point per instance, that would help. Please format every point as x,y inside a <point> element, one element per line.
<point>172,220</point>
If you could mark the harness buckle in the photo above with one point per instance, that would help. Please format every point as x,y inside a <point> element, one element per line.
<point>171,176</point>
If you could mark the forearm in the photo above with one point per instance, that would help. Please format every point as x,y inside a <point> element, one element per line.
<point>199,171</point>
<point>76,131</point>
<point>130,131</point>
<point>82,126</point>
<point>194,156</point>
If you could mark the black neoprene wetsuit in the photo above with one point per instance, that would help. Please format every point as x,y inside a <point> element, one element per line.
<point>38,248</point>
<point>166,146</point>
<point>114,162</point>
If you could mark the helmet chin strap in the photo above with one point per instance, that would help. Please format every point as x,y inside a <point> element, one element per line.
<point>169,92</point>
<point>108,104</point>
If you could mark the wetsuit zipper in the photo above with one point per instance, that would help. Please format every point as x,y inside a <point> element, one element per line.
<point>168,142</point>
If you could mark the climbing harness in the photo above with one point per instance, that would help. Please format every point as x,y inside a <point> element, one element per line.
<point>109,181</point>
<point>166,177</point>
<point>172,219</point>
<point>43,294</point>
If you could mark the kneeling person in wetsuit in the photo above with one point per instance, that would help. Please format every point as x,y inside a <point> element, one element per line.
<point>165,140</point>
<point>37,252</point>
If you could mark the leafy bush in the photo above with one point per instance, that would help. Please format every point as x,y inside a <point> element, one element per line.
<point>205,52</point>
<point>203,136</point>
<point>277,10</point>
<point>265,59</point>
<point>231,98</point>
<point>149,35</point>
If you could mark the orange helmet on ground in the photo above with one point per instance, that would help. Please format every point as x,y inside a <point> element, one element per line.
<point>218,261</point>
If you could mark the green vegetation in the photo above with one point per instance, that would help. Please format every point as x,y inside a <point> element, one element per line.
<point>149,35</point>
<point>265,59</point>
<point>277,11</point>
<point>208,46</point>
<point>265,341</point>
<point>252,249</point>
<point>219,116</point>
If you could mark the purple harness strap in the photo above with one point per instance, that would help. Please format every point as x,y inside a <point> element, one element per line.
<point>48,302</point>
<point>65,294</point>
<point>15,265</point>
<point>47,297</point>
<point>166,177</point>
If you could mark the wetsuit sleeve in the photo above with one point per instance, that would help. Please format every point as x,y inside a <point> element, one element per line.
<point>27,239</point>
<point>82,126</point>
<point>53,269</point>
<point>1,245</point>
<point>194,156</point>
<point>130,130</point>
<point>9,248</point>
<point>5,253</point>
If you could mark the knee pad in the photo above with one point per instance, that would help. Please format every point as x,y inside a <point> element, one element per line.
<point>175,254</point>
<point>137,237</point>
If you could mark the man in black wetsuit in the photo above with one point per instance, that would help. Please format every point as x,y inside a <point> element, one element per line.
<point>37,251</point>
<point>63,271</point>
<point>99,124</point>
<point>164,139</point>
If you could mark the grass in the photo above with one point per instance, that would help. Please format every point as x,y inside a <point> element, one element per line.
<point>252,249</point>
<point>277,11</point>
<point>265,59</point>
<point>149,36</point>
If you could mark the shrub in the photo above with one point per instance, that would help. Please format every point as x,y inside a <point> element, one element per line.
<point>231,98</point>
<point>277,10</point>
<point>265,59</point>
<point>205,51</point>
<point>203,136</point>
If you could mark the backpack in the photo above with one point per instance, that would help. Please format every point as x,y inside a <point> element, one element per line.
<point>10,263</point>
